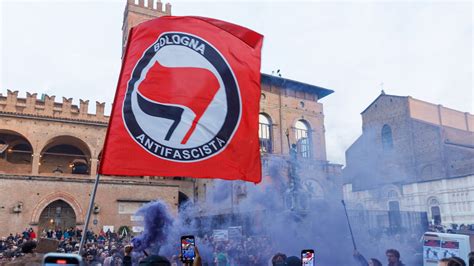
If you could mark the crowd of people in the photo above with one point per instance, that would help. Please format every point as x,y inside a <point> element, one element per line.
<point>108,248</point>
<point>453,229</point>
<point>105,248</point>
<point>246,251</point>
<point>10,247</point>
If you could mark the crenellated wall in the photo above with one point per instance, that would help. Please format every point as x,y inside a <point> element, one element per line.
<point>140,11</point>
<point>47,106</point>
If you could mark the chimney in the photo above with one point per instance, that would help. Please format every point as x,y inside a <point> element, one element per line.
<point>150,4</point>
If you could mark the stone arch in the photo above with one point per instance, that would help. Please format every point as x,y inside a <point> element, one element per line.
<point>71,152</point>
<point>314,188</point>
<point>432,201</point>
<point>67,139</point>
<point>48,199</point>
<point>304,121</point>
<point>391,192</point>
<point>16,152</point>
<point>303,137</point>
<point>19,133</point>
<point>267,116</point>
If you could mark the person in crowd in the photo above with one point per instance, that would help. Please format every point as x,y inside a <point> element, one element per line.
<point>471,258</point>
<point>363,262</point>
<point>293,261</point>
<point>174,260</point>
<point>49,233</point>
<point>393,257</point>
<point>59,234</point>
<point>127,258</point>
<point>456,261</point>
<point>155,260</point>
<point>26,234</point>
<point>29,257</point>
<point>221,258</point>
<point>108,260</point>
<point>31,234</point>
<point>443,262</point>
<point>279,259</point>
<point>453,261</point>
<point>66,234</point>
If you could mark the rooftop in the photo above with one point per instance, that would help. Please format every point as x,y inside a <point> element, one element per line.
<point>295,85</point>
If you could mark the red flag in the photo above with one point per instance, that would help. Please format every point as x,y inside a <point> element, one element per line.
<point>187,102</point>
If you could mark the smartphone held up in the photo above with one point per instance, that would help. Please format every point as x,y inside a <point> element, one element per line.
<point>307,257</point>
<point>63,259</point>
<point>188,244</point>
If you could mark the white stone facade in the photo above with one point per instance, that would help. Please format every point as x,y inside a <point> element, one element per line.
<point>453,196</point>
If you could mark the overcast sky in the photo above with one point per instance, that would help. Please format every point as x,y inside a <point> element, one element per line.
<point>422,49</point>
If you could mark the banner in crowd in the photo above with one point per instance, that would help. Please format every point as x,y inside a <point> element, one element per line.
<point>220,235</point>
<point>235,233</point>
<point>187,102</point>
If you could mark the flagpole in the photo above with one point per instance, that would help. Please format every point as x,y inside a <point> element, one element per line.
<point>349,223</point>
<point>88,216</point>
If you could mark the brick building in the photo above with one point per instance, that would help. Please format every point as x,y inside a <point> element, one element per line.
<point>49,152</point>
<point>413,156</point>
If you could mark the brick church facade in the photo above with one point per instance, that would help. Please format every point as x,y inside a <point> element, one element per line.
<point>50,150</point>
<point>413,156</point>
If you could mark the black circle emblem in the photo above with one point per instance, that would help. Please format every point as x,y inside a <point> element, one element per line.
<point>158,126</point>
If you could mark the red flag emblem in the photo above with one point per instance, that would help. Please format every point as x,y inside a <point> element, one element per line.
<point>187,102</point>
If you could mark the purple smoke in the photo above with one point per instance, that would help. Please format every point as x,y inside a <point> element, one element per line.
<point>263,213</point>
<point>156,222</point>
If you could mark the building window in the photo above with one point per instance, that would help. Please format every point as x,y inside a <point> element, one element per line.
<point>394,216</point>
<point>392,194</point>
<point>387,140</point>
<point>303,141</point>
<point>435,211</point>
<point>265,133</point>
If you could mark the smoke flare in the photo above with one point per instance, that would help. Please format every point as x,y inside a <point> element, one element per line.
<point>156,222</point>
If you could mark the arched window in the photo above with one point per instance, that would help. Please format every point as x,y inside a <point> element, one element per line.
<point>303,140</point>
<point>392,194</point>
<point>265,133</point>
<point>435,211</point>
<point>433,202</point>
<point>387,140</point>
<point>15,153</point>
<point>65,154</point>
